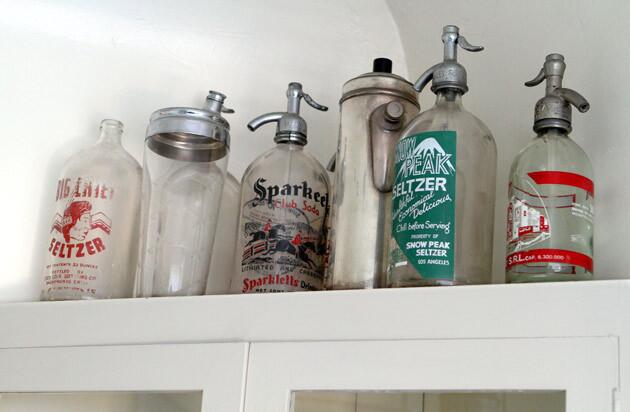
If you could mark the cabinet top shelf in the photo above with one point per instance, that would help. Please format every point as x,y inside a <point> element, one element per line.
<point>598,308</point>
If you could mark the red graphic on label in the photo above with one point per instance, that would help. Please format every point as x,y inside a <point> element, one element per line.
<point>75,225</point>
<point>78,238</point>
<point>78,221</point>
<point>566,257</point>
<point>267,227</point>
<point>541,226</point>
<point>525,220</point>
<point>563,178</point>
<point>297,240</point>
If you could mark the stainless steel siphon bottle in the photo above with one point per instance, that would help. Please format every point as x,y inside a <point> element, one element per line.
<point>551,192</point>
<point>185,161</point>
<point>284,206</point>
<point>444,188</point>
<point>94,233</point>
<point>374,107</point>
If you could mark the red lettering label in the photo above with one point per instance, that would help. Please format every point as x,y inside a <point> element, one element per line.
<point>566,257</point>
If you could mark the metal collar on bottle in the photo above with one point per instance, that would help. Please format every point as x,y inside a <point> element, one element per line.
<point>190,134</point>
<point>294,138</point>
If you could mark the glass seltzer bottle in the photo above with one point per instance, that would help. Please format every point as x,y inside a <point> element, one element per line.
<point>551,192</point>
<point>93,243</point>
<point>444,188</point>
<point>284,207</point>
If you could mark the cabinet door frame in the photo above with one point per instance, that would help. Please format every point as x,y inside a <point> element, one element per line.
<point>216,369</point>
<point>587,368</point>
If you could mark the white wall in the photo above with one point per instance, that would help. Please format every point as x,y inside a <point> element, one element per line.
<point>68,64</point>
<point>517,36</point>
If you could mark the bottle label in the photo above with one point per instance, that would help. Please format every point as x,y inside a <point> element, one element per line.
<point>78,245</point>
<point>560,256</point>
<point>546,227</point>
<point>283,239</point>
<point>423,196</point>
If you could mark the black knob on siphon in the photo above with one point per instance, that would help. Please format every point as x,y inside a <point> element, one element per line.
<point>382,65</point>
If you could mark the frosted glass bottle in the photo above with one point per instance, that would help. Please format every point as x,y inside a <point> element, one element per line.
<point>283,210</point>
<point>551,192</point>
<point>444,189</point>
<point>94,233</point>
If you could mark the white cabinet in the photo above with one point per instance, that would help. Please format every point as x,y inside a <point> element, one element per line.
<point>585,369</point>
<point>123,378</point>
<point>561,344</point>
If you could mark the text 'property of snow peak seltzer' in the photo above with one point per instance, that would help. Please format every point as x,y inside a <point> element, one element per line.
<point>424,202</point>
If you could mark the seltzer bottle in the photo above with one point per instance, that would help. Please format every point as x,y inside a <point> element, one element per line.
<point>93,243</point>
<point>551,192</point>
<point>444,188</point>
<point>284,208</point>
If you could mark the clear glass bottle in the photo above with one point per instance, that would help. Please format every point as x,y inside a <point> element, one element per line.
<point>444,188</point>
<point>94,235</point>
<point>185,162</point>
<point>551,192</point>
<point>222,262</point>
<point>284,207</point>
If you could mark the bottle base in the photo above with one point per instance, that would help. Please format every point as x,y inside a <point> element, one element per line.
<point>550,277</point>
<point>57,296</point>
<point>60,298</point>
<point>552,272</point>
<point>429,283</point>
<point>368,284</point>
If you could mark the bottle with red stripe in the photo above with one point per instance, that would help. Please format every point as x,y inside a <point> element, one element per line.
<point>551,192</point>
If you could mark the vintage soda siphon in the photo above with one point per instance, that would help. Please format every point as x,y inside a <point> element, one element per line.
<point>551,192</point>
<point>444,185</point>
<point>284,208</point>
<point>93,241</point>
<point>373,110</point>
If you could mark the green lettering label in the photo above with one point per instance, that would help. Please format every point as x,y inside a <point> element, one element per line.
<point>424,202</point>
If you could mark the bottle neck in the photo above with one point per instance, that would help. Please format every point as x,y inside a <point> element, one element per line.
<point>552,132</point>
<point>111,132</point>
<point>448,96</point>
<point>289,145</point>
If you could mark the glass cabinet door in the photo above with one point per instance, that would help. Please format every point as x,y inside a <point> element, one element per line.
<point>134,378</point>
<point>471,375</point>
<point>410,401</point>
<point>102,402</point>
